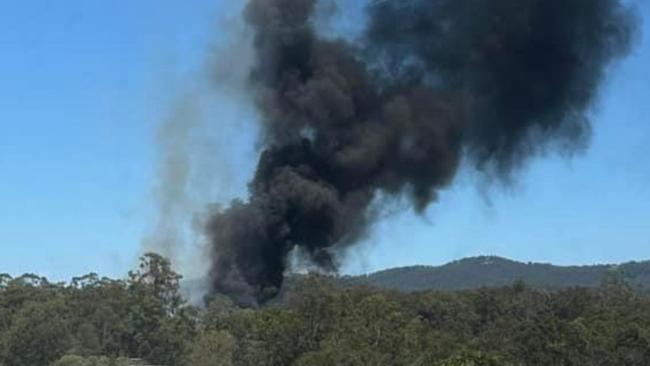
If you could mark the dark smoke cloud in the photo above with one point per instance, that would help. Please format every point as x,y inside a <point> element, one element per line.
<point>431,83</point>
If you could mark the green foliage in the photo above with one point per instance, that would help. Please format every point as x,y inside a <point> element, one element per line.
<point>490,271</point>
<point>38,334</point>
<point>213,348</point>
<point>158,326</point>
<point>74,360</point>
<point>473,359</point>
<point>143,317</point>
<point>100,322</point>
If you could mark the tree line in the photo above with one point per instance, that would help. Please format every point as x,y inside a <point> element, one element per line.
<point>94,321</point>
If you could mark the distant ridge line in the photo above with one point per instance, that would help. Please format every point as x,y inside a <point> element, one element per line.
<point>500,258</point>
<point>494,271</point>
<point>477,272</point>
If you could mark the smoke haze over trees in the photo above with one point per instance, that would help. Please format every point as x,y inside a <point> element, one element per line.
<point>427,86</point>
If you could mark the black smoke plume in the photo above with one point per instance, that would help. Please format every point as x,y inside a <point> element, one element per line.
<point>430,83</point>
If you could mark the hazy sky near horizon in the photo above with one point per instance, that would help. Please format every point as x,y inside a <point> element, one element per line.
<point>85,86</point>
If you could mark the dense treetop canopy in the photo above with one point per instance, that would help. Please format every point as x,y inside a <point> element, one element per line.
<point>95,321</point>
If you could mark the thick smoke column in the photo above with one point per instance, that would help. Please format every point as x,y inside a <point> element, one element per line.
<point>431,82</point>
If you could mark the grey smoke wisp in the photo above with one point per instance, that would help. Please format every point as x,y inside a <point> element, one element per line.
<point>430,84</point>
<point>173,172</point>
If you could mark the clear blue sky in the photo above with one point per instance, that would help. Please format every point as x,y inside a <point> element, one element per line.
<point>83,85</point>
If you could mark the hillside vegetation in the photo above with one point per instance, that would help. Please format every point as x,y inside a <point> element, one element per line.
<point>490,271</point>
<point>475,273</point>
<point>94,321</point>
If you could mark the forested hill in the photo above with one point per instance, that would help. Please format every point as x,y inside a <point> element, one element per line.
<point>324,320</point>
<point>490,271</point>
<point>487,271</point>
